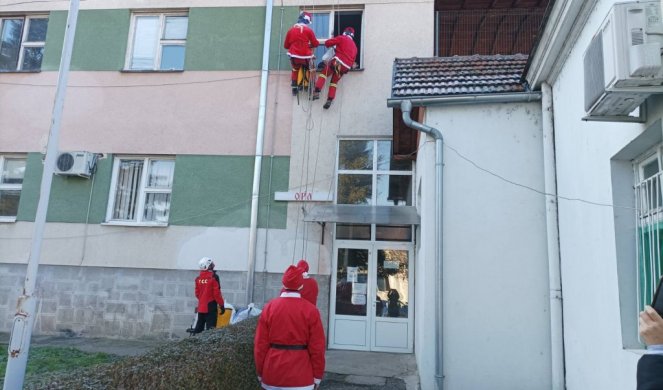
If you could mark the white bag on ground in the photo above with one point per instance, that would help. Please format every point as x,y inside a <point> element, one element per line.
<point>242,314</point>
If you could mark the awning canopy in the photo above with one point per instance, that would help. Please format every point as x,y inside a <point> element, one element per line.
<point>356,214</point>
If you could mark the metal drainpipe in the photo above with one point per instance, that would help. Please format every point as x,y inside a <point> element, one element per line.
<point>406,107</point>
<point>554,260</point>
<point>260,140</point>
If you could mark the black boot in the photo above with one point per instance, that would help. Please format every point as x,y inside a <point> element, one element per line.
<point>316,94</point>
<point>327,104</point>
<point>293,84</point>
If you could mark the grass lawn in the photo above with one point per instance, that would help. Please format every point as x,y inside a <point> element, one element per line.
<point>50,359</point>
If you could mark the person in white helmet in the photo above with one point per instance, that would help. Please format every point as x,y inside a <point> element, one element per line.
<point>208,292</point>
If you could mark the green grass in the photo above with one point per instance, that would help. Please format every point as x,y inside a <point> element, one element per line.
<point>53,359</point>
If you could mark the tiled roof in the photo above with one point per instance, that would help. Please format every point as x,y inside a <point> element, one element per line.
<point>459,75</point>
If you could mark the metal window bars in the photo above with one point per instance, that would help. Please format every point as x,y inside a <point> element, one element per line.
<point>649,238</point>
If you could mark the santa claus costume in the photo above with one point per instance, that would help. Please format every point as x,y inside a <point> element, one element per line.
<point>310,287</point>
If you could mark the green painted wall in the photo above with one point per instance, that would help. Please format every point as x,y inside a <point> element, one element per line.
<point>101,40</point>
<point>231,38</point>
<point>69,194</point>
<point>57,20</point>
<point>220,38</point>
<point>216,191</point>
<point>207,191</point>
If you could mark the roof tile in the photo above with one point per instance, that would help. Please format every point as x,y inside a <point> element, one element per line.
<point>458,75</point>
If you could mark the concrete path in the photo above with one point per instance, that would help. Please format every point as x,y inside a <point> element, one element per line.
<point>345,370</point>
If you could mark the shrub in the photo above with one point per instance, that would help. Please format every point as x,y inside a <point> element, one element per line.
<point>215,359</point>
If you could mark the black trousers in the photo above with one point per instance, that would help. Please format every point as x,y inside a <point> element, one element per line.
<point>207,320</point>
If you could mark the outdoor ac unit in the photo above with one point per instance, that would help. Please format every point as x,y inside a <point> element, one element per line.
<point>622,64</point>
<point>75,164</point>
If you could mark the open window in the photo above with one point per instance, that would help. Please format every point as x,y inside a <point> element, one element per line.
<point>329,23</point>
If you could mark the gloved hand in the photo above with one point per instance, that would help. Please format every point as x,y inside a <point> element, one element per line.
<point>223,310</point>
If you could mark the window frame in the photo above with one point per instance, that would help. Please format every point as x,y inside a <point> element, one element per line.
<point>160,43</point>
<point>24,43</point>
<point>19,187</point>
<point>142,192</point>
<point>648,224</point>
<point>374,172</point>
<point>332,15</point>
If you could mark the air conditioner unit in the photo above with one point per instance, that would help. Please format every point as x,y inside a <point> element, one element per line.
<point>622,64</point>
<point>75,163</point>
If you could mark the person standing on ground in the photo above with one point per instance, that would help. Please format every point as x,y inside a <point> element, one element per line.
<point>345,53</point>
<point>289,345</point>
<point>310,285</point>
<point>208,293</point>
<point>650,365</point>
<point>298,41</point>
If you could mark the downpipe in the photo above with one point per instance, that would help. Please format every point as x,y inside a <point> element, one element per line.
<point>260,140</point>
<point>552,229</point>
<point>406,108</point>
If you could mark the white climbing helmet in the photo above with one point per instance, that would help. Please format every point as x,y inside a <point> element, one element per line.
<point>205,263</point>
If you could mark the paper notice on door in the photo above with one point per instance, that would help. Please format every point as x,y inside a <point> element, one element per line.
<point>358,288</point>
<point>358,299</point>
<point>391,264</point>
<point>352,274</point>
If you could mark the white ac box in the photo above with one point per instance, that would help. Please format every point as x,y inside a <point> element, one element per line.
<point>622,65</point>
<point>75,164</point>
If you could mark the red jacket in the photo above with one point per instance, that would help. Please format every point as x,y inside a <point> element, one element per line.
<point>310,290</point>
<point>207,290</point>
<point>345,51</point>
<point>289,321</point>
<point>299,40</point>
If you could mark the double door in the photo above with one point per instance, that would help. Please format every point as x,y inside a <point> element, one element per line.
<point>372,297</point>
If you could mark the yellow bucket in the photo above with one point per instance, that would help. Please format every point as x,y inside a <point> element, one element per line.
<point>224,319</point>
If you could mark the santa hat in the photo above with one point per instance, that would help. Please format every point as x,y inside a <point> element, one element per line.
<point>292,278</point>
<point>349,31</point>
<point>305,18</point>
<point>303,265</point>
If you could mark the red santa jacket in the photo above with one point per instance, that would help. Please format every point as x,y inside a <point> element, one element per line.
<point>207,290</point>
<point>289,346</point>
<point>345,51</point>
<point>299,40</point>
<point>310,290</point>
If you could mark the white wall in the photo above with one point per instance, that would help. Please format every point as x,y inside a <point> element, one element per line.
<point>595,358</point>
<point>496,322</point>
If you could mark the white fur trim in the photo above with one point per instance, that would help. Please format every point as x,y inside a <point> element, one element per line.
<point>342,63</point>
<point>305,275</point>
<point>290,294</point>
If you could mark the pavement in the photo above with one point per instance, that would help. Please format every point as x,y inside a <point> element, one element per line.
<point>345,370</point>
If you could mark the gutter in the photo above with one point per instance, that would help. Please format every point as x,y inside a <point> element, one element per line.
<point>552,229</point>
<point>406,107</point>
<point>517,97</point>
<point>260,140</point>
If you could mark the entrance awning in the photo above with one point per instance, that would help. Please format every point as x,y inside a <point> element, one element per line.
<point>355,214</point>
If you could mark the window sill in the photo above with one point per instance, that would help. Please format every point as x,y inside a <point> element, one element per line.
<point>134,224</point>
<point>20,71</point>
<point>151,71</point>
<point>357,70</point>
<point>7,219</point>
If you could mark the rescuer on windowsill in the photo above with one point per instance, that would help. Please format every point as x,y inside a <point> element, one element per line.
<point>345,52</point>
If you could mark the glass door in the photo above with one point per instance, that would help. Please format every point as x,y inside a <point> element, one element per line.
<point>392,325</point>
<point>350,284</point>
<point>372,297</point>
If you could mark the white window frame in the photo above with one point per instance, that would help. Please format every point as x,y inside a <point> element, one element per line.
<point>375,172</point>
<point>142,192</point>
<point>330,30</point>
<point>14,187</point>
<point>24,35</point>
<point>649,217</point>
<point>156,66</point>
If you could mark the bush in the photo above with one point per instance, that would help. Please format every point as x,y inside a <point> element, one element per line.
<point>215,359</point>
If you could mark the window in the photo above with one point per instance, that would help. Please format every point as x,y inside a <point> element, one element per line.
<point>649,217</point>
<point>327,24</point>
<point>141,189</point>
<point>368,174</point>
<point>157,41</point>
<point>12,170</point>
<point>22,42</point>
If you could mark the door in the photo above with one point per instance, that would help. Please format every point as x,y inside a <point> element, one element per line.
<point>372,297</point>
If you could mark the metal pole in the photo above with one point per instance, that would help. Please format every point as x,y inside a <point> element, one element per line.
<point>19,341</point>
<point>260,139</point>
